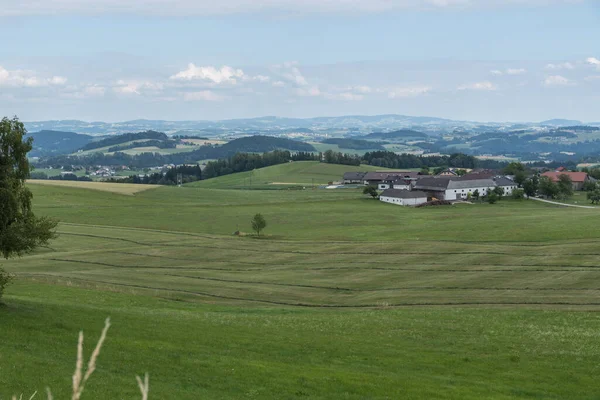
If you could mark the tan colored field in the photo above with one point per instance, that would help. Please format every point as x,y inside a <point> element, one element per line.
<point>119,188</point>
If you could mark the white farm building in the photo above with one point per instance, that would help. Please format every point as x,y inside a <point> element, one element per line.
<point>403,197</point>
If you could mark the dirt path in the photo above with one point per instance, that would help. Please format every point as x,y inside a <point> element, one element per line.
<point>560,204</point>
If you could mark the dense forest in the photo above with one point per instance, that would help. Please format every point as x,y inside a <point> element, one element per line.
<point>161,144</point>
<point>48,143</point>
<point>407,134</point>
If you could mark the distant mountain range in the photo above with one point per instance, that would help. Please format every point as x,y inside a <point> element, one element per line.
<point>270,124</point>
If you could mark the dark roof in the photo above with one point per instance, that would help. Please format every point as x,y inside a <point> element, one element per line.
<point>432,183</point>
<point>354,176</point>
<point>401,182</point>
<point>503,181</point>
<point>390,175</point>
<point>403,194</point>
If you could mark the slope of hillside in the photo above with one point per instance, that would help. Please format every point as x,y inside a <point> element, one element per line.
<point>295,173</point>
<point>403,134</point>
<point>47,143</point>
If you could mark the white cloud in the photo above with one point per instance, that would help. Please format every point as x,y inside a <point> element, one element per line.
<point>594,61</point>
<point>397,92</point>
<point>516,71</point>
<point>290,72</point>
<point>57,80</point>
<point>204,95</point>
<point>137,87</point>
<point>565,65</point>
<point>225,74</point>
<point>309,92</point>
<point>205,7</point>
<point>278,84</point>
<point>23,78</point>
<point>489,86</point>
<point>508,71</point>
<point>556,80</point>
<point>261,78</point>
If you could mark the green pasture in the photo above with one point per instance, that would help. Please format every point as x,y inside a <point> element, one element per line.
<point>344,298</point>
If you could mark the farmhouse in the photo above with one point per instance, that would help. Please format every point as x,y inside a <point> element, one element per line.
<point>375,178</point>
<point>578,178</point>
<point>403,197</point>
<point>459,189</point>
<point>394,183</point>
<point>353,177</point>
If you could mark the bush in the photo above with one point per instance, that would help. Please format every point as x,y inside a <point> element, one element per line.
<point>5,279</point>
<point>518,194</point>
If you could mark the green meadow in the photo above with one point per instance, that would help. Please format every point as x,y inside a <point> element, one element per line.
<point>343,298</point>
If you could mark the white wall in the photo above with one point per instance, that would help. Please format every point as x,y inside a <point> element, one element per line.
<point>402,187</point>
<point>403,202</point>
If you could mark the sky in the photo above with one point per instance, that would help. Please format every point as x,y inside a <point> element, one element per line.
<point>480,60</point>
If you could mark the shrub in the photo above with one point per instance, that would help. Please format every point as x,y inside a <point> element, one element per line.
<point>518,194</point>
<point>5,279</point>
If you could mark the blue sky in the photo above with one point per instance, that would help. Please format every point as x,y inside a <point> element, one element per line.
<point>500,60</point>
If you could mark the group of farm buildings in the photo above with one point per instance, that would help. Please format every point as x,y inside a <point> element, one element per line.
<point>408,188</point>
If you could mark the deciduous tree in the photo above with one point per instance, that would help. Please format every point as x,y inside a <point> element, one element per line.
<point>258,223</point>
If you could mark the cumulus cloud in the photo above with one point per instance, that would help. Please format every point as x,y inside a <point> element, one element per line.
<point>594,61</point>
<point>399,92</point>
<point>278,84</point>
<point>225,74</point>
<point>22,78</point>
<point>489,86</point>
<point>309,91</point>
<point>94,90</point>
<point>556,80</point>
<point>290,72</point>
<point>565,65</point>
<point>205,7</point>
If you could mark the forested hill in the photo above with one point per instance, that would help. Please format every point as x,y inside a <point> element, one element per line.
<point>355,144</point>
<point>252,144</point>
<point>263,144</point>
<point>47,143</point>
<point>127,137</point>
<point>401,134</point>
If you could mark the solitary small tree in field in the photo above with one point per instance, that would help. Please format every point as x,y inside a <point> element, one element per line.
<point>258,223</point>
<point>371,191</point>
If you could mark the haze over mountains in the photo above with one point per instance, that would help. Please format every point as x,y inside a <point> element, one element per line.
<point>360,123</point>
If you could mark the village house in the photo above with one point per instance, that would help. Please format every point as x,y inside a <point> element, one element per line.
<point>578,178</point>
<point>378,177</point>
<point>353,178</point>
<point>447,172</point>
<point>403,197</point>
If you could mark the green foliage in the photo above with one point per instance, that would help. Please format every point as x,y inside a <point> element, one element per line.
<point>20,230</point>
<point>513,168</point>
<point>590,186</point>
<point>594,196</point>
<point>492,197</point>
<point>565,186</point>
<point>520,177</point>
<point>424,171</point>
<point>258,223</point>
<point>548,188</point>
<point>530,186</point>
<point>499,191</point>
<point>476,194</point>
<point>5,279</point>
<point>518,194</point>
<point>371,191</point>
<point>461,172</point>
<point>331,157</point>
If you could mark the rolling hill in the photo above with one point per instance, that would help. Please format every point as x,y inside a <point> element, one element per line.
<point>303,173</point>
<point>46,143</point>
<point>403,134</point>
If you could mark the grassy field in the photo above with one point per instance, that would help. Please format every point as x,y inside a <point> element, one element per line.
<point>345,297</point>
<point>118,188</point>
<point>300,173</point>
